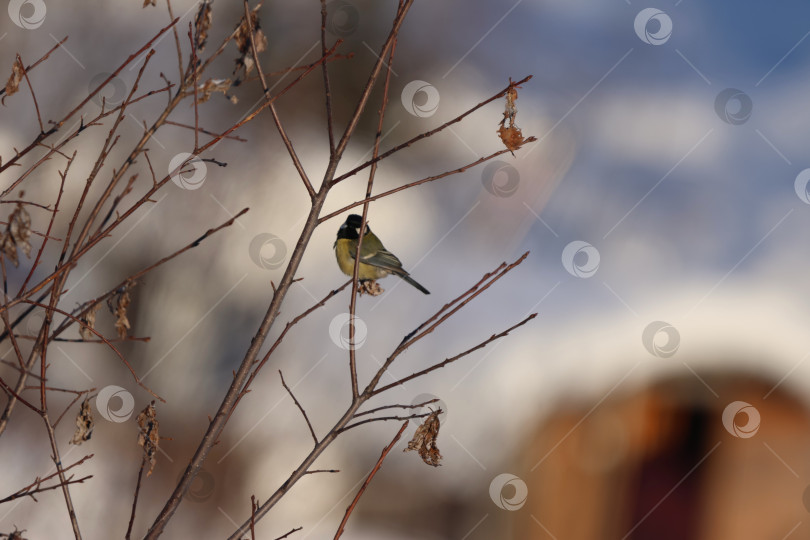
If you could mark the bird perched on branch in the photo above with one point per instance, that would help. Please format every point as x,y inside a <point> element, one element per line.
<point>375,261</point>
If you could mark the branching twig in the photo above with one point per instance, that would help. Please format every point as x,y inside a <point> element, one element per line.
<point>430,133</point>
<point>36,486</point>
<point>276,120</point>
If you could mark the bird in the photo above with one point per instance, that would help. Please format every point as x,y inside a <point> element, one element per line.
<point>375,261</point>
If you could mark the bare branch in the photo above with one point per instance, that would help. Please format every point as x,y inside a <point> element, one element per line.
<point>430,133</point>
<point>362,490</point>
<point>303,412</point>
<point>128,534</point>
<point>36,486</point>
<point>287,143</point>
<point>457,357</point>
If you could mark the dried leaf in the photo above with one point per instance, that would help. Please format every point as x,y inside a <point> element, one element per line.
<point>17,234</point>
<point>202,23</point>
<point>207,89</point>
<point>84,424</point>
<point>121,299</point>
<point>370,287</point>
<point>424,440</point>
<point>121,321</point>
<point>89,320</point>
<point>242,40</point>
<point>20,228</point>
<point>510,135</point>
<point>148,437</point>
<point>149,2</point>
<point>8,247</point>
<point>13,84</point>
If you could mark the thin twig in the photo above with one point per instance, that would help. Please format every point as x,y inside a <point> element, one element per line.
<point>135,499</point>
<point>289,533</point>
<point>386,419</point>
<point>63,176</point>
<point>253,506</point>
<point>276,120</point>
<point>362,490</point>
<point>418,182</point>
<point>33,96</point>
<point>430,133</point>
<point>363,221</point>
<point>34,487</point>
<point>303,412</point>
<point>176,40</point>
<point>316,471</point>
<point>60,471</point>
<point>440,365</point>
<point>326,89</point>
<point>41,59</point>
<point>50,309</point>
<point>42,136</point>
<point>203,130</point>
<point>414,406</point>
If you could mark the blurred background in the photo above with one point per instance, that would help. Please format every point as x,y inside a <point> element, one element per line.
<point>661,391</point>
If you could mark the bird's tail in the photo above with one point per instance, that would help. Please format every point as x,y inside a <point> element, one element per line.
<point>413,282</point>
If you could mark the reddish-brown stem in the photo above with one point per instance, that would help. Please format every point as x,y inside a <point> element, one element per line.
<point>63,177</point>
<point>471,350</point>
<point>128,534</point>
<point>363,220</point>
<point>33,95</point>
<point>300,408</point>
<point>417,183</point>
<point>51,308</point>
<point>326,89</point>
<point>281,336</point>
<point>34,487</point>
<point>362,490</point>
<point>42,136</point>
<point>195,74</point>
<point>276,120</point>
<point>42,58</point>
<point>427,134</point>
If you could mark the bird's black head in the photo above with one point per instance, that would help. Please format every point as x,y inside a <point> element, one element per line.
<point>351,227</point>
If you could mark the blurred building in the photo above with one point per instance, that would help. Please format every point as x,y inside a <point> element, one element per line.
<point>716,456</point>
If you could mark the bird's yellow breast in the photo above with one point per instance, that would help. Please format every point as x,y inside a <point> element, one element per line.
<point>344,252</point>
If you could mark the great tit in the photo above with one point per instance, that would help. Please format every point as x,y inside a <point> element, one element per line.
<point>375,261</point>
